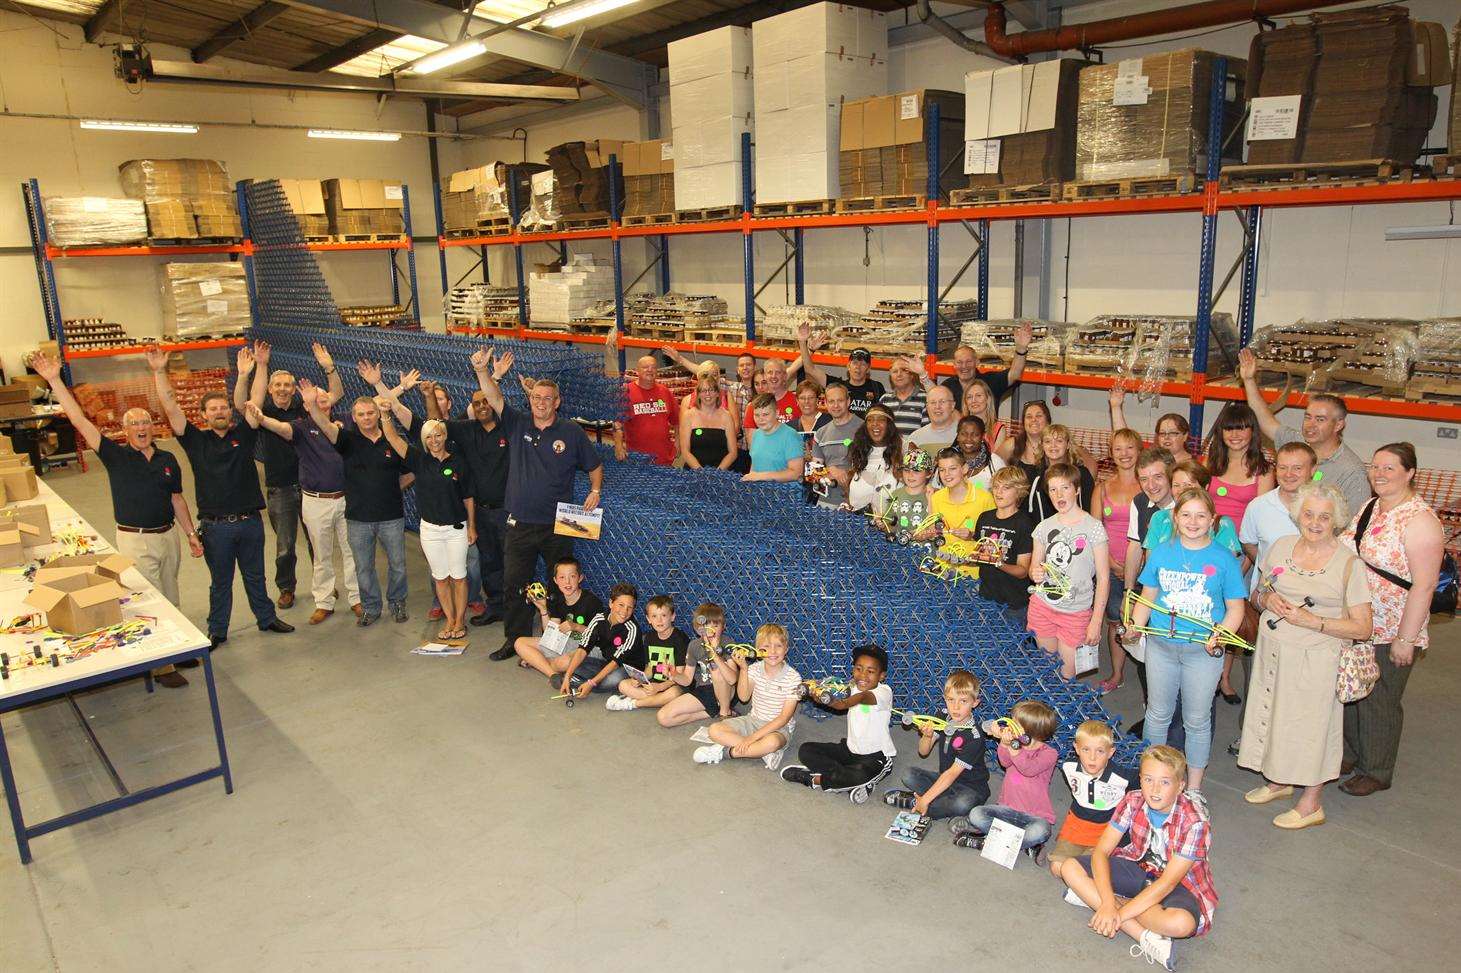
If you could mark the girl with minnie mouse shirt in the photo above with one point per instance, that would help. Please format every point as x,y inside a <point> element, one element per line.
<point>1070,568</point>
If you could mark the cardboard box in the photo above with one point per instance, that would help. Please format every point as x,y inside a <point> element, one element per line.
<point>77,601</point>
<point>898,122</point>
<point>108,566</point>
<point>18,477</point>
<point>711,107</point>
<point>307,201</point>
<point>1430,62</point>
<point>204,298</point>
<point>12,547</point>
<point>1454,128</point>
<point>364,207</point>
<point>33,522</point>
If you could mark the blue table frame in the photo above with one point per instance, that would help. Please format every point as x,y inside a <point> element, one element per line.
<point>24,833</point>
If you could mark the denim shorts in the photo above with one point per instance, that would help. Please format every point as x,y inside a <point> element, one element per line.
<point>1128,879</point>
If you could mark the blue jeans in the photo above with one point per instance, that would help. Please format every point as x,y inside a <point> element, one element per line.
<point>225,544</point>
<point>1181,672</point>
<point>392,537</point>
<point>1037,830</point>
<point>591,667</point>
<point>491,533</point>
<point>954,802</point>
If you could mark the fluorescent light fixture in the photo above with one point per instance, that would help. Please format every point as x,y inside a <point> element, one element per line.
<point>448,56</point>
<point>329,133</point>
<point>159,128</point>
<point>1444,231</point>
<point>581,11</point>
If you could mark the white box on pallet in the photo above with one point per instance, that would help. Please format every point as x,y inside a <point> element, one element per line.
<point>831,27</point>
<point>711,99</point>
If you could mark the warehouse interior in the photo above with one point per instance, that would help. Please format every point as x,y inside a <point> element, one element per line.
<point>392,813</point>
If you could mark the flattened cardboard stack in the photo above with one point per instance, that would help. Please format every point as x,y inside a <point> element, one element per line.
<point>185,198</point>
<point>649,178</point>
<point>1020,123</point>
<point>94,221</point>
<point>473,197</point>
<point>710,108</point>
<point>1148,116</point>
<point>807,63</point>
<point>1345,87</point>
<point>884,150</point>
<point>581,177</point>
<point>364,207</point>
<point>204,298</point>
<point>307,201</point>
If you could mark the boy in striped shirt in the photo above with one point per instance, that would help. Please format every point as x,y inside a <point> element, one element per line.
<point>773,689</point>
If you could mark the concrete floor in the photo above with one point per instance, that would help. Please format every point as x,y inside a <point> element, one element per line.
<point>403,813</point>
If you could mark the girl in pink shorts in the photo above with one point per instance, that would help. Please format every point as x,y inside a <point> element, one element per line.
<point>1070,568</point>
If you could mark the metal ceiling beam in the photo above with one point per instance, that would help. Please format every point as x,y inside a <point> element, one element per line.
<point>255,74</point>
<point>623,77</point>
<point>350,50</point>
<point>98,20</point>
<point>240,29</point>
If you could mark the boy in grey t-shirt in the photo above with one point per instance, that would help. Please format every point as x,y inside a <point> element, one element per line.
<point>831,443</point>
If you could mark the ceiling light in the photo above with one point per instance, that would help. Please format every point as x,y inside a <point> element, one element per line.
<point>1445,231</point>
<point>447,56</point>
<point>160,128</point>
<point>581,11</point>
<point>328,133</point>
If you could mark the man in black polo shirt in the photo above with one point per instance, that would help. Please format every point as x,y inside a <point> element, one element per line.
<point>274,393</point>
<point>227,492</point>
<point>966,370</point>
<point>484,444</point>
<point>147,495</point>
<point>544,452</point>
<point>374,510</point>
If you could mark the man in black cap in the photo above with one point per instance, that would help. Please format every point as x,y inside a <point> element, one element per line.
<point>863,391</point>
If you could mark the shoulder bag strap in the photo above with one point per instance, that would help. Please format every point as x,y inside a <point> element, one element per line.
<point>1359,531</point>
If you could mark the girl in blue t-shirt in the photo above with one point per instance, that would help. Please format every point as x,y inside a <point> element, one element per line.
<point>1191,575</point>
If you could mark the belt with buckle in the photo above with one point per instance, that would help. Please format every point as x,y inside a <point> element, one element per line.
<point>226,519</point>
<point>144,530</point>
<point>325,496</point>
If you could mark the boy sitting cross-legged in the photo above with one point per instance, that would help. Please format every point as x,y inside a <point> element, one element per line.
<point>773,688</point>
<point>865,755</point>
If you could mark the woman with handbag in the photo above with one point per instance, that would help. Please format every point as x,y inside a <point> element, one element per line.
<point>1400,542</point>
<point>1316,604</point>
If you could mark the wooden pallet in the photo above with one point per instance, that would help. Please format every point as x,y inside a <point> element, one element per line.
<point>875,204</point>
<point>584,221</point>
<point>367,238</point>
<point>1178,370</point>
<point>196,241</point>
<point>656,332</point>
<point>1041,192</point>
<point>1446,166</point>
<point>1365,172</point>
<point>1175,184</point>
<point>708,214</point>
<point>599,328</point>
<point>318,238</point>
<point>1422,387</point>
<point>806,207</point>
<point>648,219</point>
<point>496,226</point>
<point>716,336</point>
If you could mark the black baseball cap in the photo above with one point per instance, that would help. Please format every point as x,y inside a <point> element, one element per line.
<point>860,354</point>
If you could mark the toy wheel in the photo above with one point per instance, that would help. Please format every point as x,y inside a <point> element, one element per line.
<point>568,702</point>
<point>859,795</point>
<point>55,661</point>
<point>37,651</point>
<point>4,659</point>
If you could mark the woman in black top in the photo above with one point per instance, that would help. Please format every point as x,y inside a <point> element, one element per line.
<point>448,515</point>
<point>708,428</point>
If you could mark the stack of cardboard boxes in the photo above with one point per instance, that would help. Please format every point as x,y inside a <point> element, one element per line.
<point>94,221</point>
<point>204,298</point>
<point>185,199</point>
<point>1147,117</point>
<point>364,208</point>
<point>1344,87</point>
<point>556,297</point>
<point>807,63</point>
<point>1020,123</point>
<point>581,177</point>
<point>473,198</point>
<point>649,177</point>
<point>884,151</point>
<point>307,201</point>
<point>710,109</point>
<point>14,403</point>
<point>17,478</point>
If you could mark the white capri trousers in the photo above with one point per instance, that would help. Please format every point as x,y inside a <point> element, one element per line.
<point>445,549</point>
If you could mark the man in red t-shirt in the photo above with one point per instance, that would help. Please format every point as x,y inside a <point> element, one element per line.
<point>653,417</point>
<point>777,379</point>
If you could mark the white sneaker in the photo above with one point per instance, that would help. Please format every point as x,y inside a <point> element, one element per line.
<point>773,760</point>
<point>619,704</point>
<point>1156,948</point>
<point>712,754</point>
<point>1074,899</point>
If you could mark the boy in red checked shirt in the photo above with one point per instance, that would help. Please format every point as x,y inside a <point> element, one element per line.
<point>653,417</point>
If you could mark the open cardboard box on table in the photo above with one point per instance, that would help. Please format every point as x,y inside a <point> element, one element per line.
<point>33,522</point>
<point>76,600</point>
<point>109,566</point>
<point>17,478</point>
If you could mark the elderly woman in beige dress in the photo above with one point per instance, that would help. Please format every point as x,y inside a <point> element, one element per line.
<point>1315,598</point>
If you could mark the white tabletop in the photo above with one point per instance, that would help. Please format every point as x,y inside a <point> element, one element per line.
<point>171,633</point>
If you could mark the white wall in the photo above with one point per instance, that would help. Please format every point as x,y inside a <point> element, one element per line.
<point>53,71</point>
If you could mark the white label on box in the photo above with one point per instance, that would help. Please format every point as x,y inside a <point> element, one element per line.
<point>1131,90</point>
<point>981,157</point>
<point>666,150</point>
<point>393,192</point>
<point>1273,118</point>
<point>1129,68</point>
<point>1002,844</point>
<point>209,287</point>
<point>907,107</point>
<point>93,204</point>
<point>217,307</point>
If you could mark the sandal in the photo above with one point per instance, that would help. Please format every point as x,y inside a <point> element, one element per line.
<point>1107,686</point>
